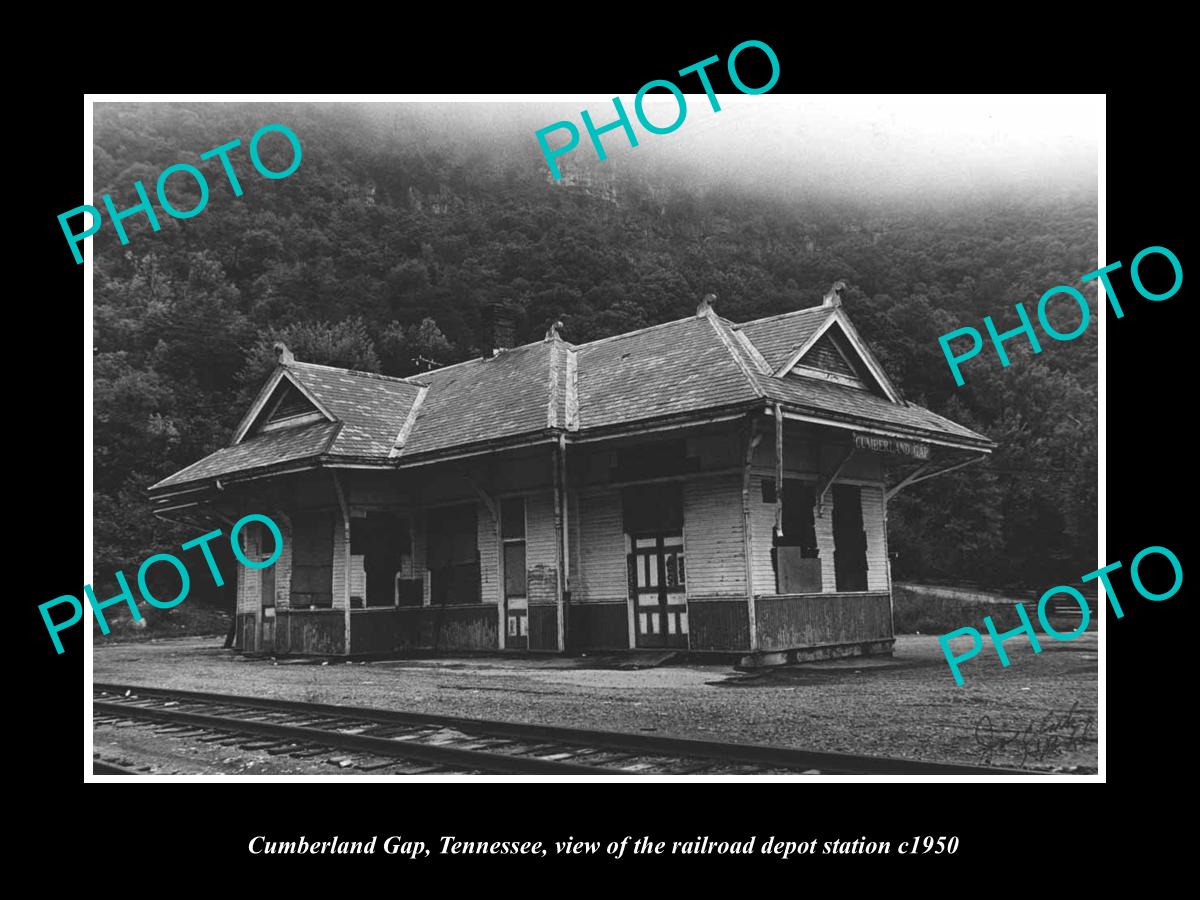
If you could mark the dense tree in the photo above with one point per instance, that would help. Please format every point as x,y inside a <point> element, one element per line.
<point>396,232</point>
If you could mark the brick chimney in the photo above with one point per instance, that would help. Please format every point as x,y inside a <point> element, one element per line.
<point>282,353</point>
<point>707,305</point>
<point>499,329</point>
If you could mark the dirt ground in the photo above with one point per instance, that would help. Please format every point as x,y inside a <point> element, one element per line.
<point>1039,713</point>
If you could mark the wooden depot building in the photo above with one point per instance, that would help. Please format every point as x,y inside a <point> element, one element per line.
<point>699,484</point>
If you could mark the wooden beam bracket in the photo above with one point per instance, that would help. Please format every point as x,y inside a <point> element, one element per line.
<point>827,478</point>
<point>926,471</point>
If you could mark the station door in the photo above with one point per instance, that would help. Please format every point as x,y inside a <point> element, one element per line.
<point>657,590</point>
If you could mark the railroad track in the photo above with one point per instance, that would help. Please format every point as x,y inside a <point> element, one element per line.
<point>391,742</point>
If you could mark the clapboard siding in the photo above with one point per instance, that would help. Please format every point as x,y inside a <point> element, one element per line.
<point>713,532</point>
<point>541,561</point>
<point>489,556</point>
<point>576,559</point>
<point>539,531</point>
<point>762,520</point>
<point>283,568</point>
<point>873,524</point>
<point>358,576</point>
<point>419,543</point>
<point>248,585</point>
<point>341,560</point>
<point>824,528</point>
<point>602,568</point>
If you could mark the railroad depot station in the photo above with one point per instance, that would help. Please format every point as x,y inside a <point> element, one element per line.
<point>699,485</point>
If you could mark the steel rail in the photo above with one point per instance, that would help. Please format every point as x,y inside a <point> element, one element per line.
<point>103,768</point>
<point>472,760</point>
<point>760,755</point>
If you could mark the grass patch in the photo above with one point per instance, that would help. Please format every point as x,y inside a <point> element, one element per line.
<point>920,613</point>
<point>185,620</point>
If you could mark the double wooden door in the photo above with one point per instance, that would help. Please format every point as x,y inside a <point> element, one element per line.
<point>658,591</point>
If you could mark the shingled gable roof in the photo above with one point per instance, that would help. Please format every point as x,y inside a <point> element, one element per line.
<point>678,370</point>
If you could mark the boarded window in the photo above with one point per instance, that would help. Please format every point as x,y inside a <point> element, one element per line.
<point>516,575</point>
<point>849,538</point>
<point>794,554</point>
<point>268,588</point>
<point>512,518</point>
<point>312,559</point>
<point>514,569</point>
<point>384,543</point>
<point>453,555</point>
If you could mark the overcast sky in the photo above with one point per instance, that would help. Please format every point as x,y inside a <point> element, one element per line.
<point>864,146</point>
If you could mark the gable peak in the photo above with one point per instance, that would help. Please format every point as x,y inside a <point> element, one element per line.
<point>833,298</point>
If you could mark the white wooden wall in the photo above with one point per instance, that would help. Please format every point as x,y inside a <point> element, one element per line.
<point>491,586</point>
<point>873,524</point>
<point>283,568</point>
<point>601,572</point>
<point>419,553</point>
<point>539,531</point>
<point>762,519</point>
<point>340,562</point>
<point>713,532</point>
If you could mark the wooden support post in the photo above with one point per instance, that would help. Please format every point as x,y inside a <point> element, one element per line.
<point>567,523</point>
<point>490,502</point>
<point>778,470</point>
<point>555,472</point>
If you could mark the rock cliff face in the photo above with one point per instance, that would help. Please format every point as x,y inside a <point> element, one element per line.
<point>599,185</point>
<point>437,202</point>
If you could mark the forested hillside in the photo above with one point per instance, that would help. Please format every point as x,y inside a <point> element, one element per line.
<point>397,231</point>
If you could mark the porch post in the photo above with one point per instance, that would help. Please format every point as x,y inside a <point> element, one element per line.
<point>559,523</point>
<point>778,470</point>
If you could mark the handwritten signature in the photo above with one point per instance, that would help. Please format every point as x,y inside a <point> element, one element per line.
<point>1050,735</point>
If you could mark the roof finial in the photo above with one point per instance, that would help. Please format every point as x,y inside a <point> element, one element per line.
<point>834,297</point>
<point>707,305</point>
<point>283,354</point>
<point>552,332</point>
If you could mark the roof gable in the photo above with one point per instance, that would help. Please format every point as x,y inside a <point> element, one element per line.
<point>372,408</point>
<point>777,337</point>
<point>847,342</point>
<point>283,402</point>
